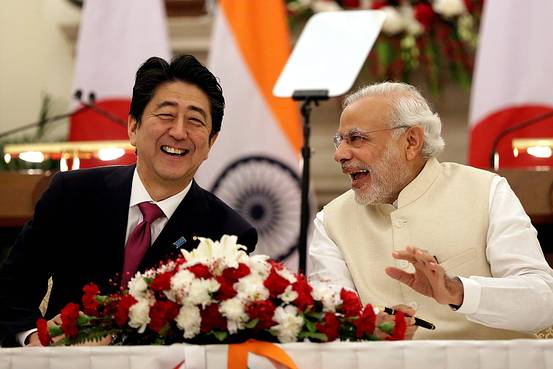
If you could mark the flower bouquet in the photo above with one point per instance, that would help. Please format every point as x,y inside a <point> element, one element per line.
<point>218,294</point>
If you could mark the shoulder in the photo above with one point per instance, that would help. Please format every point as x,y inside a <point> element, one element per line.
<point>455,169</point>
<point>344,200</point>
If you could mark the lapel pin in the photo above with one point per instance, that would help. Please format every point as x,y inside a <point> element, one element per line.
<point>178,243</point>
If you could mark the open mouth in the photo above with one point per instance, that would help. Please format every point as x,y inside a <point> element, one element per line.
<point>359,174</point>
<point>174,151</point>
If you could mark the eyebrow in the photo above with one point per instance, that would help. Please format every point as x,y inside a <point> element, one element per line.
<point>174,104</point>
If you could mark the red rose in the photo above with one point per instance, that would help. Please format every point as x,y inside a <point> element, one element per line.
<point>262,310</point>
<point>275,283</point>
<point>161,313</point>
<point>234,274</point>
<point>200,271</point>
<point>424,14</point>
<point>351,305</point>
<point>379,4</point>
<point>226,289</point>
<point>69,316</point>
<point>122,310</point>
<point>212,319</point>
<point>330,326</point>
<point>43,332</point>
<point>90,304</point>
<point>399,327</point>
<point>351,3</point>
<point>303,289</point>
<point>162,282</point>
<point>469,5</point>
<point>365,323</point>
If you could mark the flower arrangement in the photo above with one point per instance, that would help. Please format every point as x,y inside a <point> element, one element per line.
<point>218,294</point>
<point>428,34</point>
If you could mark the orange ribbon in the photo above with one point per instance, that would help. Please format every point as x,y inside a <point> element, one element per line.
<point>238,354</point>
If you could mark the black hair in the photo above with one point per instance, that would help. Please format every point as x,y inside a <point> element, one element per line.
<point>185,68</point>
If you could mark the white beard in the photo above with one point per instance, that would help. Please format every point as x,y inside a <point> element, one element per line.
<point>388,175</point>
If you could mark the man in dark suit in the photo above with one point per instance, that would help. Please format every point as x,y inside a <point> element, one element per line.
<point>83,225</point>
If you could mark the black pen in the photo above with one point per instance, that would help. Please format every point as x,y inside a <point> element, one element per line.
<point>418,322</point>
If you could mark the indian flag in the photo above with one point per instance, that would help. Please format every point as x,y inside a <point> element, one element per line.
<point>512,80</point>
<point>254,166</point>
<point>115,38</point>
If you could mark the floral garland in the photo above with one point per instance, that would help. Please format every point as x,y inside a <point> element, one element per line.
<point>427,34</point>
<point>219,294</point>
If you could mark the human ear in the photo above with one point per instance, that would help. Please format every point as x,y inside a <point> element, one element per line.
<point>414,139</point>
<point>132,126</point>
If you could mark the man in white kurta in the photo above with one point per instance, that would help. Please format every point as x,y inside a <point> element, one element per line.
<point>451,241</point>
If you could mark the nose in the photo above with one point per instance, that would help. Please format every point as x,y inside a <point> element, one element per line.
<point>342,153</point>
<point>178,130</point>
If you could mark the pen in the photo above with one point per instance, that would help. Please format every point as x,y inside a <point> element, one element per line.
<point>418,322</point>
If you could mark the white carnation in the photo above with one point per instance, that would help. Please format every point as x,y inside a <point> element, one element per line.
<point>412,25</point>
<point>251,288</point>
<point>258,265</point>
<point>200,291</point>
<point>138,286</point>
<point>235,312</point>
<point>394,22</point>
<point>139,315</point>
<point>286,274</point>
<point>325,6</point>
<point>328,296</point>
<point>180,283</point>
<point>289,323</point>
<point>189,320</point>
<point>449,8</point>
<point>288,295</point>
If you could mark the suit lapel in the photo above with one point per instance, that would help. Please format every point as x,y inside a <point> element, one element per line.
<point>117,198</point>
<point>188,219</point>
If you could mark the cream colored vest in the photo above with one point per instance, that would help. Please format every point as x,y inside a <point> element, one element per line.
<point>443,210</point>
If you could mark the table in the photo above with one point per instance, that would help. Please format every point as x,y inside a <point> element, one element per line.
<point>526,354</point>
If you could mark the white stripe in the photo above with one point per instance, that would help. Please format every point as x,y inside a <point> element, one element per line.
<point>115,38</point>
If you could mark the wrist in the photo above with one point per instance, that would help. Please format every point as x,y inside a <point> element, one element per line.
<point>457,293</point>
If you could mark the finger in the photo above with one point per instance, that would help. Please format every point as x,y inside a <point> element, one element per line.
<point>410,332</point>
<point>55,320</point>
<point>404,255</point>
<point>400,275</point>
<point>407,310</point>
<point>424,256</point>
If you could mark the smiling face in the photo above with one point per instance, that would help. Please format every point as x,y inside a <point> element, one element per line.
<point>376,165</point>
<point>173,138</point>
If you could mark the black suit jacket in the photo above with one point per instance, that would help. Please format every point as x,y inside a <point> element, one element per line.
<point>77,236</point>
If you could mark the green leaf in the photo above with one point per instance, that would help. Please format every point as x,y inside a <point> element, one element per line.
<point>386,327</point>
<point>311,327</point>
<point>315,335</point>
<point>252,323</point>
<point>220,335</point>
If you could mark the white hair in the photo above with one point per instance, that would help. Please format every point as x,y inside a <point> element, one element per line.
<point>408,108</point>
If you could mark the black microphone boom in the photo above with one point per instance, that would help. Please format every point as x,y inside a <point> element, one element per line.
<point>92,106</point>
<point>513,128</point>
<point>43,121</point>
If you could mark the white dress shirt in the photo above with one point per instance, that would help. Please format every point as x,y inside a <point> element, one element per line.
<point>167,206</point>
<point>138,195</point>
<point>518,297</point>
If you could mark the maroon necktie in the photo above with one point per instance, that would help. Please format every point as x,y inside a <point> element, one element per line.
<point>139,241</point>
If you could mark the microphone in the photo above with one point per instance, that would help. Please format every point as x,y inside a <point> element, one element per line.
<point>494,156</point>
<point>43,121</point>
<point>78,95</point>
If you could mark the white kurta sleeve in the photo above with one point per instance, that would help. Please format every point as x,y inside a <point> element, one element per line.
<point>520,294</point>
<point>327,263</point>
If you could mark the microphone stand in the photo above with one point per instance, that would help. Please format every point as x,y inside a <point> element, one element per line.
<point>494,155</point>
<point>308,97</point>
<point>92,106</point>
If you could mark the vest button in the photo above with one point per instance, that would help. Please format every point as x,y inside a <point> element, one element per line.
<point>400,222</point>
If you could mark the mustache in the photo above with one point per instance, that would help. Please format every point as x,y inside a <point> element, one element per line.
<point>354,167</point>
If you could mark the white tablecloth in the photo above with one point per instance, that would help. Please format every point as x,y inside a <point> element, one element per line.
<point>524,354</point>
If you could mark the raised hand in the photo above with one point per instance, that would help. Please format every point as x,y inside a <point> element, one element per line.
<point>429,278</point>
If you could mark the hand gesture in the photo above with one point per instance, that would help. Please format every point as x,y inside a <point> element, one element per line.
<point>429,278</point>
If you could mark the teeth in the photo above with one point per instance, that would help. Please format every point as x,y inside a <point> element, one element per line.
<point>173,150</point>
<point>354,174</point>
